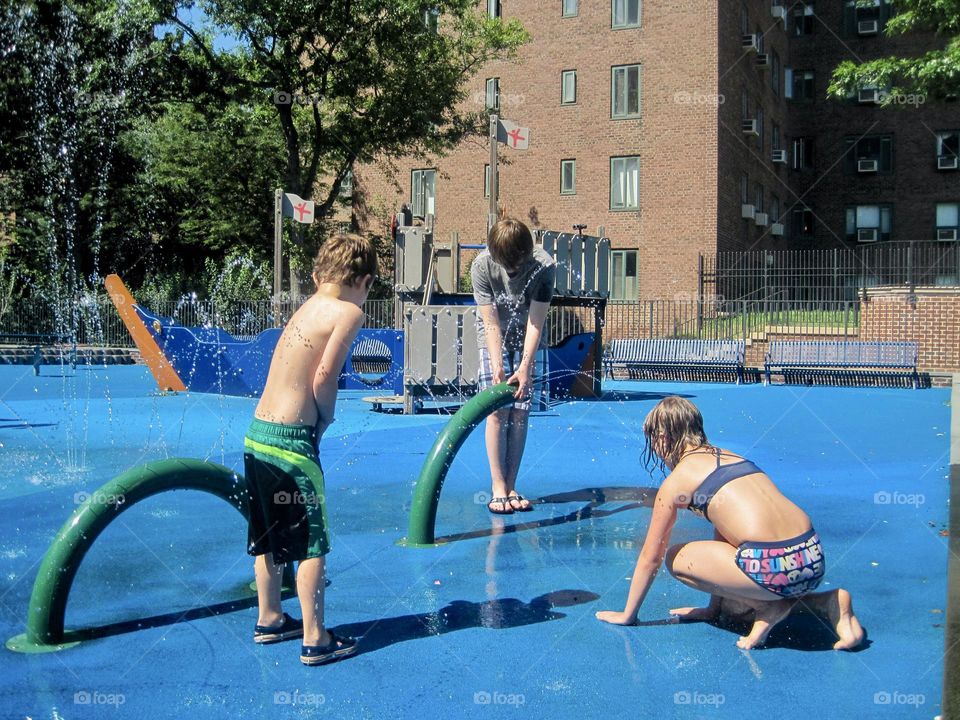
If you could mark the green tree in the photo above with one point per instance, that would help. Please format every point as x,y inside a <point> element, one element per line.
<point>347,80</point>
<point>934,74</point>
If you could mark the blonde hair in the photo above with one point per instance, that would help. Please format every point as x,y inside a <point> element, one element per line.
<point>345,259</point>
<point>510,243</point>
<point>680,424</point>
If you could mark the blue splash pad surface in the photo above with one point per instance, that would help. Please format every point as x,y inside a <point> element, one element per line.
<point>499,621</point>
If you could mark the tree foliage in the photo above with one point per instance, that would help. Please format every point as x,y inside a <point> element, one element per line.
<point>934,74</point>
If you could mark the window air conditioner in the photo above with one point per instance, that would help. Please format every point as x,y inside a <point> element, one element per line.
<point>947,162</point>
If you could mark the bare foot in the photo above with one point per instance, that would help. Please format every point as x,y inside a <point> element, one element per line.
<point>695,614</point>
<point>767,615</point>
<point>845,623</point>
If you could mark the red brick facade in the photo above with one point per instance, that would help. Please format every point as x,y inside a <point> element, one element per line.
<point>931,317</point>
<point>693,154</point>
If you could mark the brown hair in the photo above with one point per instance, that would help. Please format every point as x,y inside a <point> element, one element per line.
<point>680,424</point>
<point>510,243</point>
<point>345,259</point>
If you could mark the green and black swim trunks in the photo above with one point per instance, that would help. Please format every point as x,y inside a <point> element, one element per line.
<point>288,515</point>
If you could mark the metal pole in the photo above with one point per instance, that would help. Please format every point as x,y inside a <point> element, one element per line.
<point>277,244</point>
<point>494,175</point>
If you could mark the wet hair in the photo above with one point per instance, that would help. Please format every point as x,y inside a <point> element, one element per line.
<point>345,259</point>
<point>680,423</point>
<point>510,243</point>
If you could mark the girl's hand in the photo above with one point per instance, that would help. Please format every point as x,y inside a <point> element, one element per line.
<point>616,617</point>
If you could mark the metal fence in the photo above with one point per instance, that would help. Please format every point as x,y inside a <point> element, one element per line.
<point>826,276</point>
<point>96,322</point>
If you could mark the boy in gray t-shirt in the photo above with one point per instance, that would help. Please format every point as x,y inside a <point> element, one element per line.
<point>512,285</point>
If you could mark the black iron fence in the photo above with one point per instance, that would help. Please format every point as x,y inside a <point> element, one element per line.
<point>826,276</point>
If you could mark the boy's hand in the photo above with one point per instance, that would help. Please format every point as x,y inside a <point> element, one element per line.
<point>521,378</point>
<point>616,617</point>
<point>498,376</point>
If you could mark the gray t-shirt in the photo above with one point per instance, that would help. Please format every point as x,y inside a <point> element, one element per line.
<point>511,296</point>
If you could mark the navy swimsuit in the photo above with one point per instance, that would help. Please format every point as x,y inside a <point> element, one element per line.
<point>788,568</point>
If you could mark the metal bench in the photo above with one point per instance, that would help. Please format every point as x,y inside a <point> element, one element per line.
<point>669,354</point>
<point>42,339</point>
<point>848,358</point>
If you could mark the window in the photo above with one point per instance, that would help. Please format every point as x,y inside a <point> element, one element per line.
<point>346,185</point>
<point>423,192</point>
<point>876,152</point>
<point>863,18</point>
<point>774,136</point>
<point>802,222</point>
<point>625,91</point>
<point>626,13</point>
<point>759,128</point>
<point>868,217</point>
<point>744,189</point>
<point>568,87</point>
<point>948,229</point>
<point>492,97</point>
<point>803,19</point>
<point>623,275</point>
<point>758,198</point>
<point>570,8</point>
<point>775,73</point>
<point>625,183</point>
<point>774,209</point>
<point>431,19</point>
<point>800,85</point>
<point>758,34</point>
<point>744,19</point>
<point>486,180</point>
<point>744,105</point>
<point>948,147</point>
<point>493,8</point>
<point>568,177</point>
<point>803,153</point>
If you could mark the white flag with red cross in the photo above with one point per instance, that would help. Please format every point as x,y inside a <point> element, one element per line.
<point>297,208</point>
<point>512,135</point>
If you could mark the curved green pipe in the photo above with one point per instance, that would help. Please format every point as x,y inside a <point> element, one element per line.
<point>426,495</point>
<point>48,601</point>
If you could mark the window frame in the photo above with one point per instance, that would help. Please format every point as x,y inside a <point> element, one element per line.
<point>626,115</point>
<point>563,8</point>
<point>627,25</point>
<point>563,76</point>
<point>495,94</point>
<point>625,254</point>
<point>623,159</point>
<point>572,163</point>
<point>882,208</point>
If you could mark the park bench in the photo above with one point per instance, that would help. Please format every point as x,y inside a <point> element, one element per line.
<point>847,359</point>
<point>33,339</point>
<point>670,354</point>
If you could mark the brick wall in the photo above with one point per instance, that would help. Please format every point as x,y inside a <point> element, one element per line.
<point>933,320</point>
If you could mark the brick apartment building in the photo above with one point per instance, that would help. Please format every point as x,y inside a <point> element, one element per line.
<point>693,127</point>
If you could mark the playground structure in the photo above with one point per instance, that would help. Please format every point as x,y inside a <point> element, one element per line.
<point>440,354</point>
<point>433,356</point>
